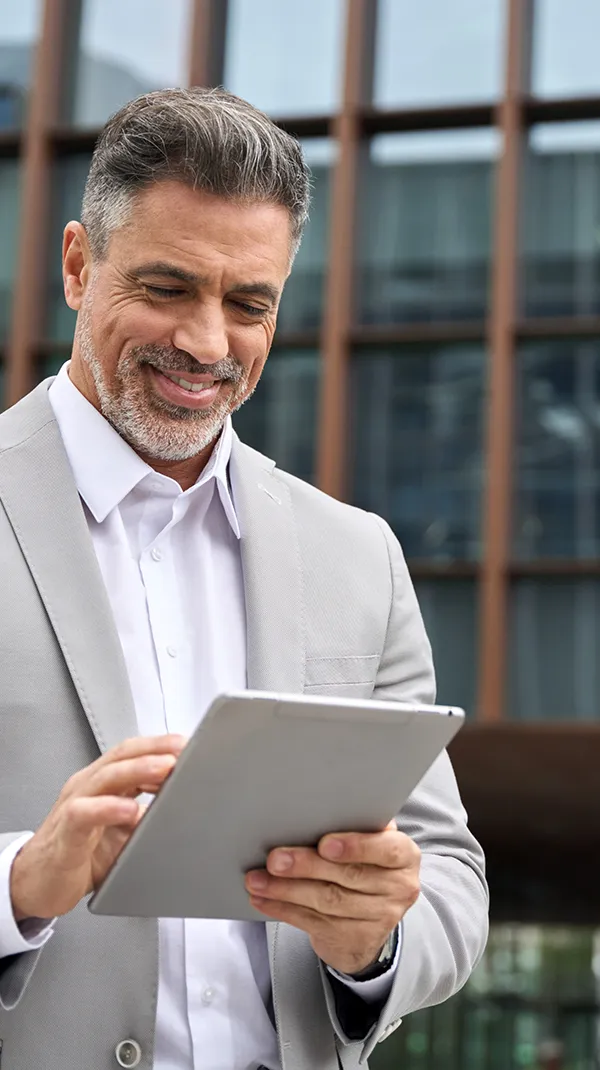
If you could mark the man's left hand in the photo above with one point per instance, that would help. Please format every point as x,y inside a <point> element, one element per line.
<point>348,895</point>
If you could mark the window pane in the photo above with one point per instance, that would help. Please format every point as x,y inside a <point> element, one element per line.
<point>19,28</point>
<point>302,302</point>
<point>417,445</point>
<point>560,224</point>
<point>69,178</point>
<point>555,649</point>
<point>127,47</point>
<point>280,418</point>
<point>9,223</point>
<point>433,52</point>
<point>565,48</point>
<point>557,478</point>
<point>449,609</point>
<point>285,58</point>
<point>424,226</point>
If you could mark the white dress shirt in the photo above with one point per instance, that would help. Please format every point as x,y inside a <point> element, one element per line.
<point>171,563</point>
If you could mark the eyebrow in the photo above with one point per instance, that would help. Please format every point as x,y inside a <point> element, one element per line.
<point>163,269</point>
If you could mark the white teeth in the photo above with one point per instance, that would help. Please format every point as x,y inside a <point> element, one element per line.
<point>196,388</point>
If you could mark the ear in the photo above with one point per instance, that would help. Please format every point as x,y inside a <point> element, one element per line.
<point>77,264</point>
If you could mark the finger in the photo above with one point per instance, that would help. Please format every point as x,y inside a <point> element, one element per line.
<point>306,863</point>
<point>390,849</point>
<point>316,925</point>
<point>324,897</point>
<point>130,776</point>
<point>138,746</point>
<point>81,815</point>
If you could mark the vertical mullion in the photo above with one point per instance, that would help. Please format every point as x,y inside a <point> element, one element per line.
<point>501,342</point>
<point>29,290</point>
<point>335,335</point>
<point>207,42</point>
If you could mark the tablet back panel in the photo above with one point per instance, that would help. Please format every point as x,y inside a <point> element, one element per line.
<point>261,771</point>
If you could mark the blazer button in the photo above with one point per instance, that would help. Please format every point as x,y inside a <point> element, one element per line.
<point>128,1053</point>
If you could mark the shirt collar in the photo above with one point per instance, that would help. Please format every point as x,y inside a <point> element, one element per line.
<point>106,468</point>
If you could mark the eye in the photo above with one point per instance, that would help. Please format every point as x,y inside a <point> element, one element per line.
<point>164,291</point>
<point>251,310</point>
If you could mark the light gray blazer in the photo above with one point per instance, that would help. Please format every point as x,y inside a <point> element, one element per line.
<point>330,610</point>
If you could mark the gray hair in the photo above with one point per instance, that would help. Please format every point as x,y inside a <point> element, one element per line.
<point>207,138</point>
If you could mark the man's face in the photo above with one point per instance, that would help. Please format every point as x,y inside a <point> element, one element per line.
<point>176,323</point>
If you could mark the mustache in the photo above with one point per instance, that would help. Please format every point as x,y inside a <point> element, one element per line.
<point>169,359</point>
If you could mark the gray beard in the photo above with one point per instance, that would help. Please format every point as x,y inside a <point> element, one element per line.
<point>152,425</point>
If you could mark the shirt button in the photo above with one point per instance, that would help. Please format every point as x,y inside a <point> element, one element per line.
<point>172,651</point>
<point>208,995</point>
<point>155,554</point>
<point>128,1053</point>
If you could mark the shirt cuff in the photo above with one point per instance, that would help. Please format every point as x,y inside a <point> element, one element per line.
<point>378,988</point>
<point>17,937</point>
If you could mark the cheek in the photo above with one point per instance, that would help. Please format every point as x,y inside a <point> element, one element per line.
<point>252,350</point>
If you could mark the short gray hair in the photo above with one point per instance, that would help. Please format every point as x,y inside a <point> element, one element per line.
<point>207,138</point>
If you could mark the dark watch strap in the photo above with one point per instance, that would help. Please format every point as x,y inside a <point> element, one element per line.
<point>383,961</point>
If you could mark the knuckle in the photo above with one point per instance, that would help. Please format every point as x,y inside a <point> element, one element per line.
<point>332,895</point>
<point>354,873</point>
<point>72,812</point>
<point>413,890</point>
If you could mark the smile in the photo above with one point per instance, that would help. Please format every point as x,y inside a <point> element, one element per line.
<point>196,388</point>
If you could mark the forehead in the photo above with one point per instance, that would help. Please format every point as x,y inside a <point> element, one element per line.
<point>193,225</point>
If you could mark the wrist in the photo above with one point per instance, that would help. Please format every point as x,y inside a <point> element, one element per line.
<point>382,961</point>
<point>18,895</point>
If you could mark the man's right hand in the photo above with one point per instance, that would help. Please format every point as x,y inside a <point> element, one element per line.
<point>92,819</point>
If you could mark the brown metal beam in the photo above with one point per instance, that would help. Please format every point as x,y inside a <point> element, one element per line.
<point>457,117</point>
<point>30,280</point>
<point>416,333</point>
<point>331,445</point>
<point>555,566</point>
<point>207,42</point>
<point>559,326</point>
<point>557,111</point>
<point>494,581</point>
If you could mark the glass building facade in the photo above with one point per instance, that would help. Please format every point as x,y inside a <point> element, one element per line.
<point>437,361</point>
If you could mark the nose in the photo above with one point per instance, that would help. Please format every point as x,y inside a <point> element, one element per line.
<point>203,334</point>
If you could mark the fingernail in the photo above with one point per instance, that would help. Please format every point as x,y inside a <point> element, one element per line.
<point>332,848</point>
<point>257,880</point>
<point>281,861</point>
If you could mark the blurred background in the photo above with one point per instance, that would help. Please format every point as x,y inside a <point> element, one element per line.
<point>437,361</point>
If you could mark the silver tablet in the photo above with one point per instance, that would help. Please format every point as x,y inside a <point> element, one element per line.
<point>267,770</point>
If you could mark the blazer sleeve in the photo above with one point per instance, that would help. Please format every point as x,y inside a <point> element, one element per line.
<point>444,934</point>
<point>16,970</point>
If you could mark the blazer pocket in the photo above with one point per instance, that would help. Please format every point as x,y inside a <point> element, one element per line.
<point>352,676</point>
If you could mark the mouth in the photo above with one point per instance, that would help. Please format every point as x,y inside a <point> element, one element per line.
<point>188,391</point>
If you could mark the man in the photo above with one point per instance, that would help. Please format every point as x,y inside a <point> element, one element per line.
<point>150,561</point>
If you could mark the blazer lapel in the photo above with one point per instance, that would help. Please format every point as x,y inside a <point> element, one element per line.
<point>39,495</point>
<point>272,574</point>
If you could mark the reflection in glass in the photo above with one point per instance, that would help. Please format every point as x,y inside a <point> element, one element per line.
<point>424,226</point>
<point>127,47</point>
<point>535,991</point>
<point>9,222</point>
<point>431,52</point>
<point>68,183</point>
<point>302,302</point>
<point>417,445</point>
<point>557,474</point>
<point>555,649</point>
<point>565,48</point>
<point>279,420</point>
<point>449,609</point>
<point>19,27</point>
<point>560,224</point>
<point>284,57</point>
